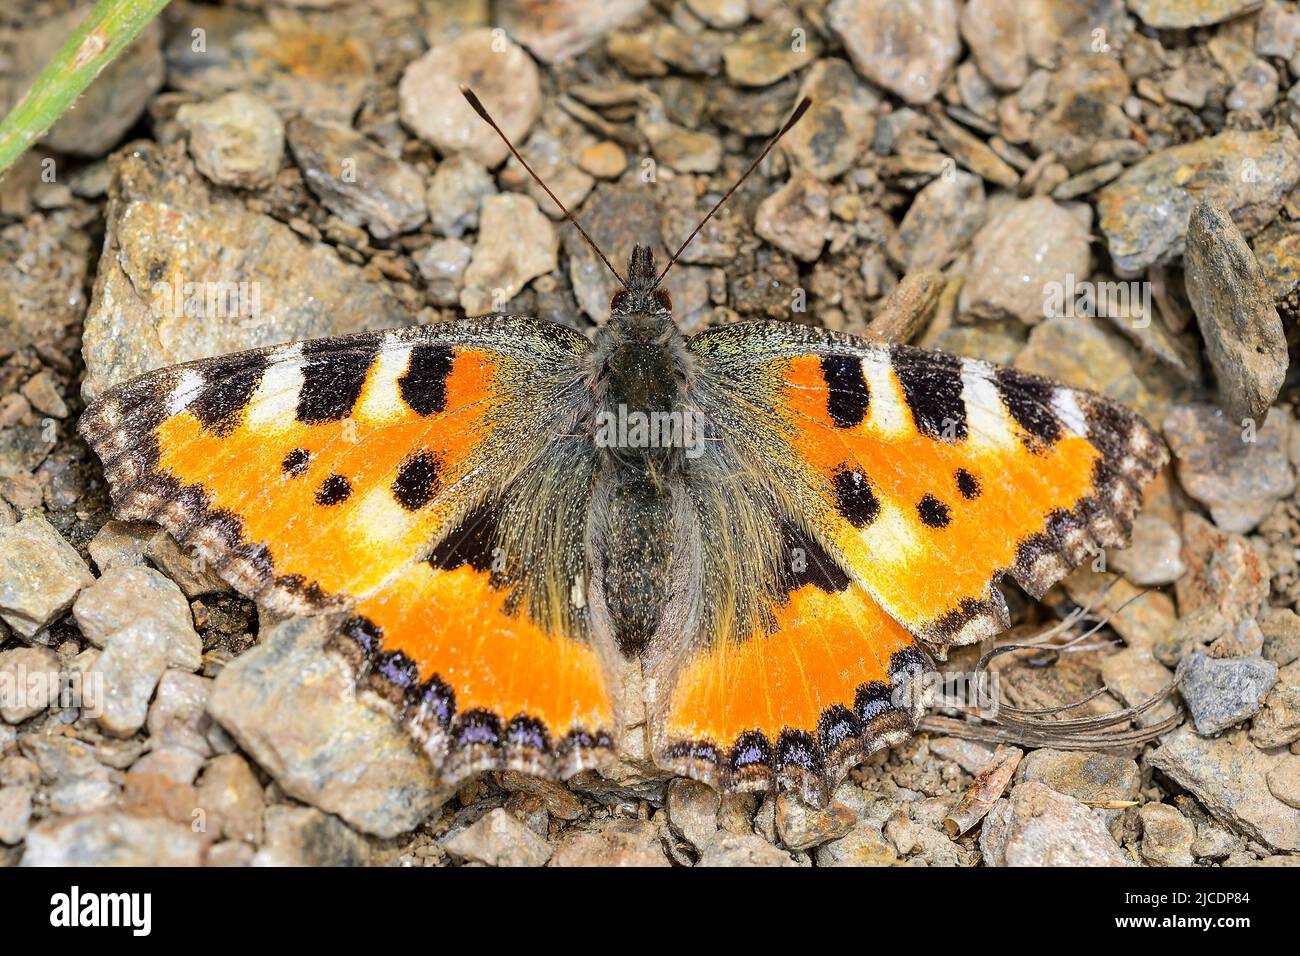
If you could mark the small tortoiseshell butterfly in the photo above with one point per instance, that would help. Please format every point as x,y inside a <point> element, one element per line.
<point>733,544</point>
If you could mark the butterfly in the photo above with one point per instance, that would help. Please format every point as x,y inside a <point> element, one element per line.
<point>727,553</point>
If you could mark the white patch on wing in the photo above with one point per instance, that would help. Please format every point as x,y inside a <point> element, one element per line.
<point>380,400</point>
<point>887,412</point>
<point>986,418</point>
<point>379,519</point>
<point>889,542</point>
<point>275,403</point>
<point>186,389</point>
<point>1066,407</point>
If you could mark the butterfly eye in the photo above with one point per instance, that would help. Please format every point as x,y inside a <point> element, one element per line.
<point>663,301</point>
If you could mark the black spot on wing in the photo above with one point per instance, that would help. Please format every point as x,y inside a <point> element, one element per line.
<point>424,383</point>
<point>806,562</point>
<point>1028,399</point>
<point>295,463</point>
<point>417,481</point>
<point>847,395</point>
<point>932,388</point>
<point>854,497</point>
<point>224,395</point>
<point>968,484</point>
<point>332,377</point>
<point>334,490</point>
<point>933,512</point>
<point>472,542</point>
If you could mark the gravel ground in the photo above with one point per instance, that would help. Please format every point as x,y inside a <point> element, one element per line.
<point>1100,193</point>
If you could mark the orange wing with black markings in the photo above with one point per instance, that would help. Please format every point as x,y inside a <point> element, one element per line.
<point>331,475</point>
<point>917,480</point>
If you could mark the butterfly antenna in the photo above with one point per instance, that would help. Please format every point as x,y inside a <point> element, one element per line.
<point>789,125</point>
<point>481,110</point>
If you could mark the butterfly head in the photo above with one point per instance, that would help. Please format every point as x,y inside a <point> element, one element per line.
<point>640,294</point>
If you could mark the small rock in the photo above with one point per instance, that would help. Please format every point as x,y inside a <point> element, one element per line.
<point>356,180</point>
<point>1278,722</point>
<point>1284,781</point>
<point>230,793</point>
<point>15,814</point>
<point>1239,472</point>
<point>801,827</point>
<point>551,159</point>
<point>558,800</point>
<point>1277,31</point>
<point>1133,675</point>
<point>970,755</point>
<point>1213,842</point>
<point>1228,775</point>
<point>692,809</point>
<point>685,150</point>
<point>1144,214</point>
<point>616,843</point>
<point>236,139</point>
<point>1224,692</point>
<point>861,846</point>
<point>303,836</point>
<point>112,839</point>
<point>994,31</point>
<point>765,54</point>
<point>500,73</point>
<point>838,127</point>
<point>1153,557</point>
<point>734,849</point>
<point>1028,248</point>
<point>604,160</point>
<point>1281,630</point>
<point>74,781</point>
<point>561,29</point>
<point>498,839</point>
<point>1234,308</point>
<point>178,766</point>
<point>125,674</point>
<point>44,395</point>
<point>293,708</point>
<point>1037,826</point>
<point>29,682</point>
<point>1223,572</point>
<point>1087,776</point>
<point>723,14</point>
<point>457,190</point>
<point>178,716</point>
<point>40,575</point>
<point>125,595</point>
<point>1183,14</point>
<point>442,266</point>
<point>796,217</point>
<point>1256,89</point>
<point>516,243</point>
<point>121,543</point>
<point>906,46</point>
<point>1167,836</point>
<point>940,222</point>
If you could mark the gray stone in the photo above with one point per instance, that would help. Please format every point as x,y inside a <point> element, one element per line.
<point>1234,308</point>
<point>236,139</point>
<point>498,839</point>
<point>161,220</point>
<point>1167,836</point>
<point>994,31</point>
<point>1223,692</point>
<point>501,74</point>
<point>40,575</point>
<point>1154,555</point>
<point>293,708</point>
<point>838,127</point>
<point>112,839</point>
<point>1144,214</point>
<point>802,827</point>
<point>862,846</point>
<point>1087,776</point>
<point>796,217</point>
<point>357,180</point>
<point>1228,775</point>
<point>125,595</point>
<point>692,809</point>
<point>74,781</point>
<point>303,836</point>
<point>764,54</point>
<point>561,29</point>
<point>178,716</point>
<point>15,814</point>
<point>229,791</point>
<point>29,678</point>
<point>125,674</point>
<point>941,221</point>
<point>1027,247</point>
<point>616,843</point>
<point>906,46</point>
<point>734,849</point>
<point>457,189</point>
<point>1182,14</point>
<point>1036,826</point>
<point>442,266</point>
<point>516,243</point>
<point>1284,781</point>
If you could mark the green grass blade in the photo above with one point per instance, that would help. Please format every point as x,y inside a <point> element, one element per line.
<point>105,32</point>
